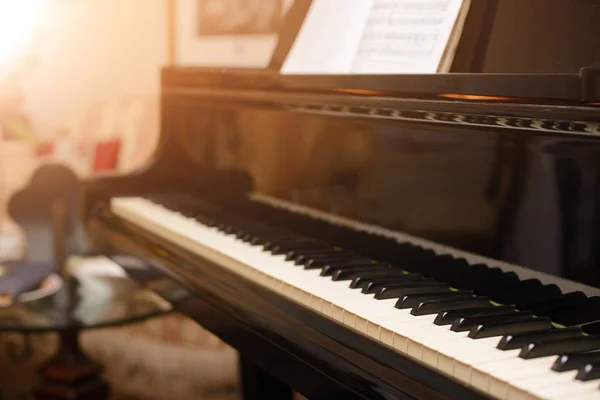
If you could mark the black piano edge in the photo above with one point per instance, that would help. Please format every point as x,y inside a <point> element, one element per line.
<point>315,356</point>
<point>582,88</point>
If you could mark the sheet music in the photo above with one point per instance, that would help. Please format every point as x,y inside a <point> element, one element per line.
<point>329,37</point>
<point>406,36</point>
<point>376,37</point>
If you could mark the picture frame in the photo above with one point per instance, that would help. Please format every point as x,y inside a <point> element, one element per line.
<point>224,33</point>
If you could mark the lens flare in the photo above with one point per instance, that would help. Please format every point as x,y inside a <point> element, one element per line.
<point>18,22</point>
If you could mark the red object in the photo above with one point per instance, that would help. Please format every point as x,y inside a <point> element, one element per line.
<point>44,149</point>
<point>106,156</point>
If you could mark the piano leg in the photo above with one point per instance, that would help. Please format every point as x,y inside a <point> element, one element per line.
<point>257,384</point>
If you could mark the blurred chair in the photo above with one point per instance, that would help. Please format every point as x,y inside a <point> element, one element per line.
<point>47,211</point>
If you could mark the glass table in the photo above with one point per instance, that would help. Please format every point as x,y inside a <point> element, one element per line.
<point>98,303</point>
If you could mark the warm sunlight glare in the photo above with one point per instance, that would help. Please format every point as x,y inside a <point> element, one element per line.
<point>18,19</point>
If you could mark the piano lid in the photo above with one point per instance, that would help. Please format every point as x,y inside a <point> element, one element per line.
<point>581,88</point>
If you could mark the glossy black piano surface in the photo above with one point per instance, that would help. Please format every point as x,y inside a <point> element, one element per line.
<point>502,166</point>
<point>512,179</point>
<point>509,178</point>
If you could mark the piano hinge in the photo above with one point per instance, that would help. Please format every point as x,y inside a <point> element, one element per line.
<point>590,84</point>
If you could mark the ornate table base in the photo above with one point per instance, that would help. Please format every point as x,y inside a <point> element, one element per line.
<point>70,374</point>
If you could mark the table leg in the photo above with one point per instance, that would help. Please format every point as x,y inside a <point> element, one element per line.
<point>70,374</point>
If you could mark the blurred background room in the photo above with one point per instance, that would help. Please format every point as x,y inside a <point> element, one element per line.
<point>79,85</point>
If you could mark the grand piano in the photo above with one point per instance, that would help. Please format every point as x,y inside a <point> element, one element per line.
<point>386,236</point>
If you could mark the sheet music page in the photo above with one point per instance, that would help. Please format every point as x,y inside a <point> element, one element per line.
<point>406,36</point>
<point>329,37</point>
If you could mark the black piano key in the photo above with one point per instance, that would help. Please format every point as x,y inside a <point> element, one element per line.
<point>400,293</point>
<point>413,300</point>
<point>393,292</point>
<point>303,257</point>
<point>391,273</point>
<point>560,346</point>
<point>248,236</point>
<point>516,341</point>
<point>512,327</point>
<point>456,272</point>
<point>448,317</point>
<point>546,293</point>
<point>284,250</point>
<point>225,227</point>
<point>300,257</point>
<point>354,274</point>
<point>330,269</point>
<point>473,275</point>
<point>466,323</point>
<point>300,245</point>
<point>361,265</point>
<point>292,254</point>
<point>586,312</point>
<point>430,264</point>
<point>493,279</point>
<point>569,362</point>
<point>280,236</point>
<point>506,282</point>
<point>388,291</point>
<point>591,329</point>
<point>589,372</point>
<point>528,287</point>
<point>372,284</point>
<point>564,301</point>
<point>242,235</point>
<point>321,248</point>
<point>205,220</point>
<point>436,306</point>
<point>266,240</point>
<point>316,252</point>
<point>360,281</point>
<point>331,258</point>
<point>360,278</point>
<point>350,261</point>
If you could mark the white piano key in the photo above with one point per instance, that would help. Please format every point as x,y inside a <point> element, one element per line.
<point>477,363</point>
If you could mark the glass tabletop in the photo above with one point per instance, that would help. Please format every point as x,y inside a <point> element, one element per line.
<point>100,302</point>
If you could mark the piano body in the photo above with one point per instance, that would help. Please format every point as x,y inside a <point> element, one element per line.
<point>382,237</point>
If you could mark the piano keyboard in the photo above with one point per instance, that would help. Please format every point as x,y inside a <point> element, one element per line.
<point>438,309</point>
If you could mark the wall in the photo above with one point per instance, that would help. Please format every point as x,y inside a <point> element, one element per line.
<point>231,50</point>
<point>93,50</point>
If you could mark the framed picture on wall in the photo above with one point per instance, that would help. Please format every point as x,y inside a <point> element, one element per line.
<point>238,17</point>
<point>225,33</point>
